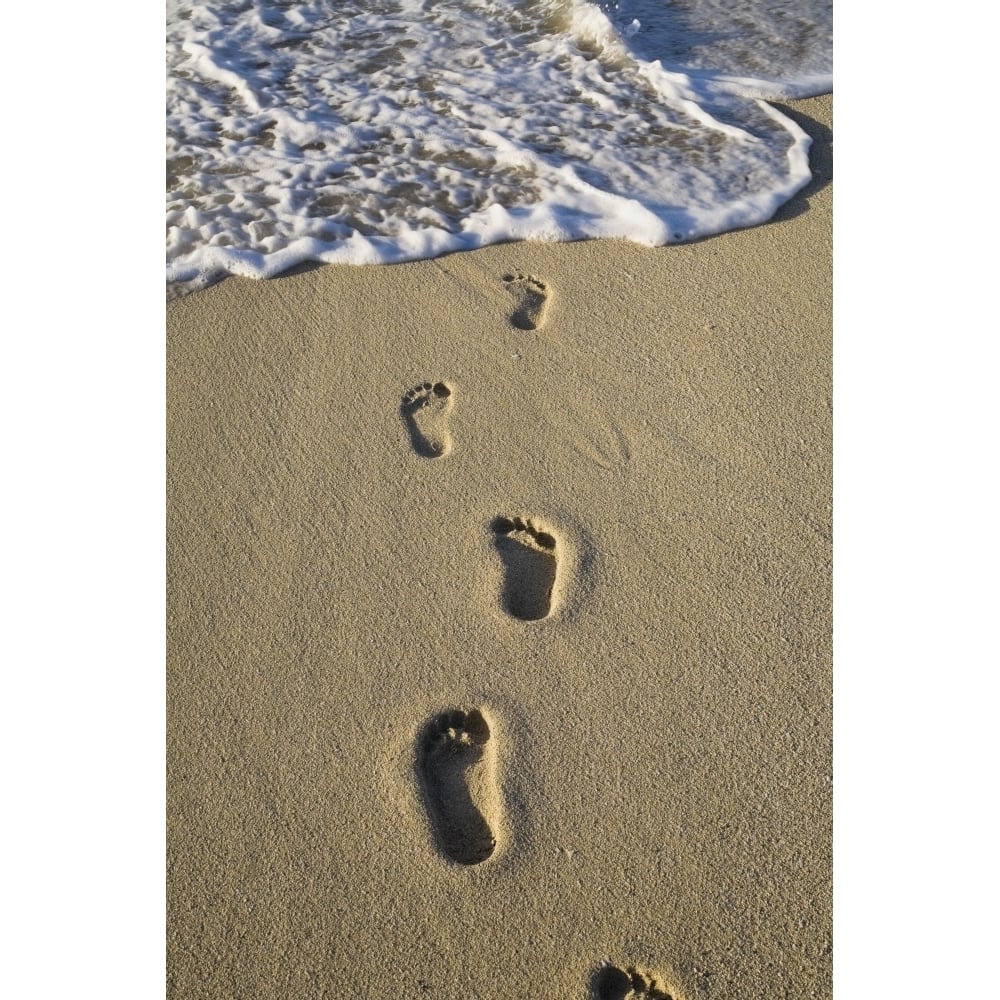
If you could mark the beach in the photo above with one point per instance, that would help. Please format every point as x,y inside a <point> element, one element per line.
<point>499,626</point>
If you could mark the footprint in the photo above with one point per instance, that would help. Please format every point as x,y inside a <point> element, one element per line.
<point>612,983</point>
<point>457,765</point>
<point>529,557</point>
<point>425,410</point>
<point>530,300</point>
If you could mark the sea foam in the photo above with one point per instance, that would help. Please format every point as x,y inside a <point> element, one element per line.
<point>399,129</point>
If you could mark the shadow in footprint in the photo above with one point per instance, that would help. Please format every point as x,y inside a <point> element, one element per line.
<point>459,783</point>
<point>529,558</point>
<point>612,983</point>
<point>530,300</point>
<point>425,410</point>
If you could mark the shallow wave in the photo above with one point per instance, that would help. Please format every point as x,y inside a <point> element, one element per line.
<point>401,129</point>
<point>756,48</point>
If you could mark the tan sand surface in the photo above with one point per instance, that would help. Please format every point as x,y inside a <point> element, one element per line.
<point>496,653</point>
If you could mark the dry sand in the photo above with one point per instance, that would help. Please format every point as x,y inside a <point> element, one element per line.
<point>497,653</point>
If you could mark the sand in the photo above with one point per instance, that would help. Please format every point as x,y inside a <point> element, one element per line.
<point>499,641</point>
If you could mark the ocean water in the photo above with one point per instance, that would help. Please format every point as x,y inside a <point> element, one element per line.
<point>375,131</point>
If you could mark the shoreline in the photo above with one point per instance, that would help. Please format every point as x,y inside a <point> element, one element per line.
<point>600,554</point>
<point>822,172</point>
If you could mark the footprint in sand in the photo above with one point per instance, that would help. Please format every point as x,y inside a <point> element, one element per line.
<point>529,558</point>
<point>612,983</point>
<point>457,766</point>
<point>530,300</point>
<point>425,410</point>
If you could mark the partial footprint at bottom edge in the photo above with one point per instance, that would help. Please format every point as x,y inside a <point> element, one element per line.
<point>425,410</point>
<point>457,765</point>
<point>529,558</point>
<point>531,299</point>
<point>613,983</point>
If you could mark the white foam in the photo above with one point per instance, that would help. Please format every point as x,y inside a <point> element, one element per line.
<point>394,130</point>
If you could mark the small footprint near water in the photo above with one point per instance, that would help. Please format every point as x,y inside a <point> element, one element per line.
<point>425,410</point>
<point>531,299</point>
<point>529,558</point>
<point>612,983</point>
<point>457,765</point>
